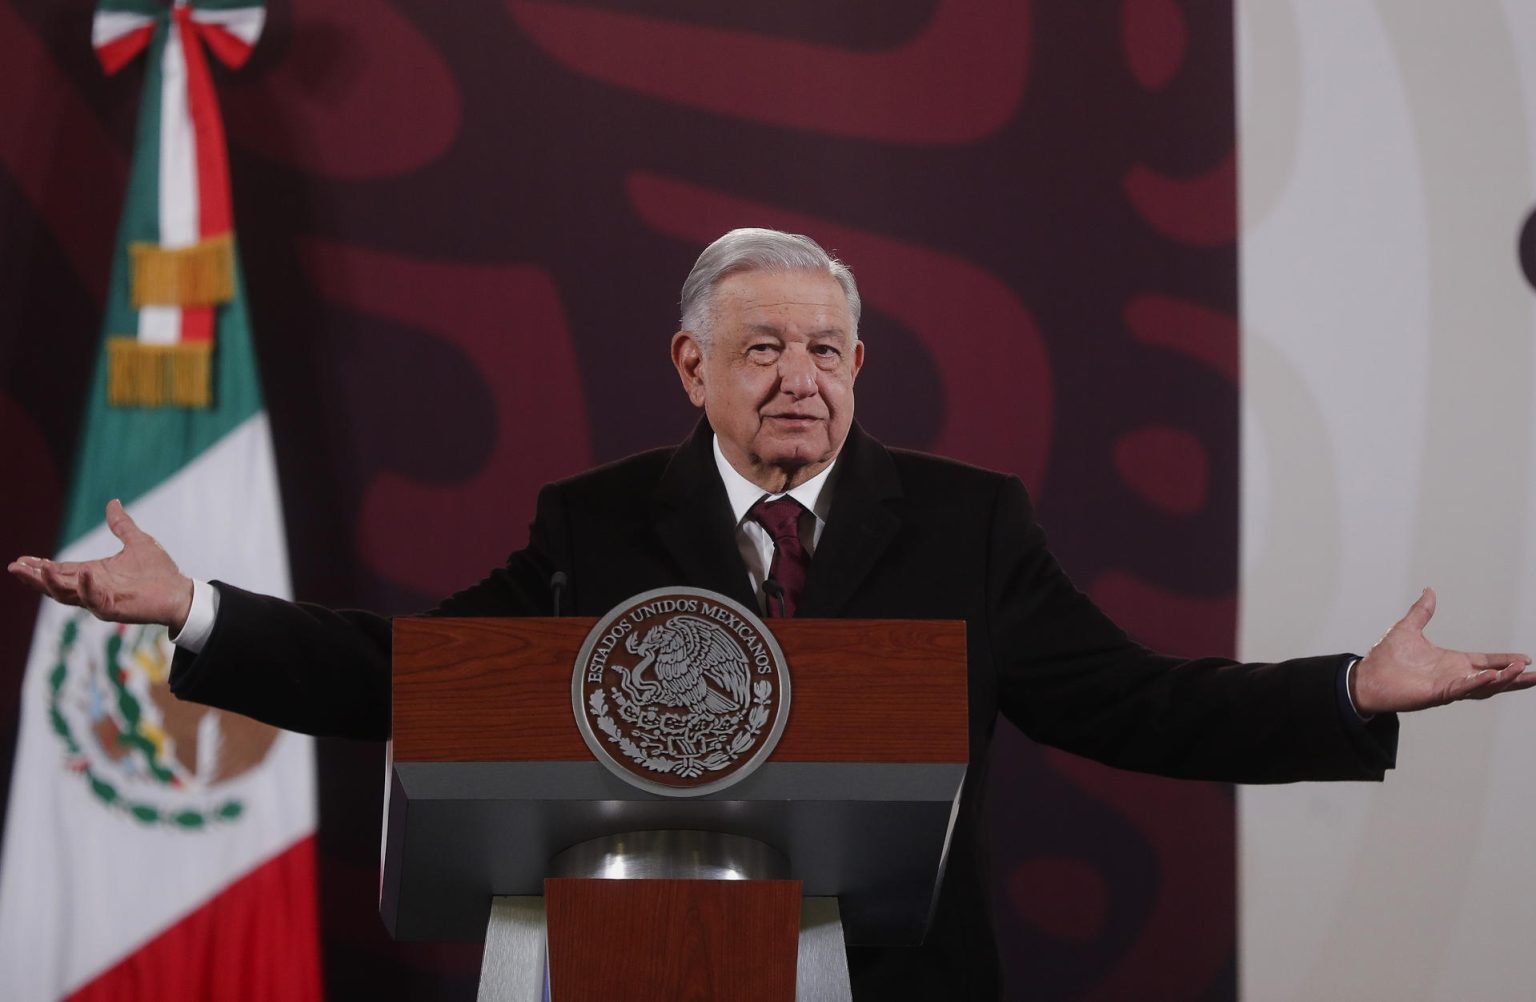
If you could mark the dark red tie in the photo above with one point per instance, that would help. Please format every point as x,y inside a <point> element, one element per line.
<point>790,561</point>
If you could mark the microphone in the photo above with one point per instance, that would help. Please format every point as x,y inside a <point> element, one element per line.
<point>775,592</point>
<point>557,585</point>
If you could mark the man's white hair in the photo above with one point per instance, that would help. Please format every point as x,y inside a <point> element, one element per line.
<point>755,249</point>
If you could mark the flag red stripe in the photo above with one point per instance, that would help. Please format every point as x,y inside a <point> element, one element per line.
<point>196,323</point>
<point>255,940</point>
<point>231,49</point>
<point>207,132</point>
<point>114,55</point>
<point>213,212</point>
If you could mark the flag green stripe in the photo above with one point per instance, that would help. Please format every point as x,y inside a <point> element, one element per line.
<point>150,8</point>
<point>224,4</point>
<point>141,206</point>
<point>126,451</point>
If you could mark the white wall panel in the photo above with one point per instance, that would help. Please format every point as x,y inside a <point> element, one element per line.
<point>1389,349</point>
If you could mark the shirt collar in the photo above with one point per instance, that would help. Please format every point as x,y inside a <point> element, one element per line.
<point>815,494</point>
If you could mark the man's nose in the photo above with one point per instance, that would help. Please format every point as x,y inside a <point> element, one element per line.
<point>797,374</point>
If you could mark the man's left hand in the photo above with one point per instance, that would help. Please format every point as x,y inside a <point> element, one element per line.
<point>1404,671</point>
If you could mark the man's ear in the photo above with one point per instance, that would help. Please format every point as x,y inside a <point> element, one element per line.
<point>688,359</point>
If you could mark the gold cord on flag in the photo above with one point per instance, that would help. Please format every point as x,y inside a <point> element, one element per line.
<point>200,275</point>
<point>157,375</point>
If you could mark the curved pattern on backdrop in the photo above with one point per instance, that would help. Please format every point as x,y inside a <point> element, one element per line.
<point>958,80</point>
<point>464,226</point>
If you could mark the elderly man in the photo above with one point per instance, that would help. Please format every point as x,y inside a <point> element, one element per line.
<point>778,499</point>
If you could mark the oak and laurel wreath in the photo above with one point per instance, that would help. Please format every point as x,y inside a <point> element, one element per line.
<point>688,767</point>
<point>135,739</point>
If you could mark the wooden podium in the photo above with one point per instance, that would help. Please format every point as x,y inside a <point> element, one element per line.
<point>493,795</point>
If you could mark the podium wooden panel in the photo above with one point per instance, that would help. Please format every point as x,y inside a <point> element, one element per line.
<point>721,940</point>
<point>490,777</point>
<point>500,689</point>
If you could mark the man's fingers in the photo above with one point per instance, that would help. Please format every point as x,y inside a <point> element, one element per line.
<point>1497,661</point>
<point>27,571</point>
<point>85,587</point>
<point>1507,675</point>
<point>53,570</point>
<point>1524,680</point>
<point>1491,681</point>
<point>28,565</point>
<point>60,583</point>
<point>1422,610</point>
<point>122,526</point>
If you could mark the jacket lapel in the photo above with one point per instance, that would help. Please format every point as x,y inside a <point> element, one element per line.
<point>861,524</point>
<point>693,519</point>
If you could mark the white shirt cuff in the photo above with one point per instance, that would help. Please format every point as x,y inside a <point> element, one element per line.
<point>205,609</point>
<point>1349,693</point>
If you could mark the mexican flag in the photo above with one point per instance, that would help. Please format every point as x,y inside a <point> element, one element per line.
<point>156,849</point>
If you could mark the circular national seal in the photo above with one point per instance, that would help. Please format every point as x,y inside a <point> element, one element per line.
<point>680,691</point>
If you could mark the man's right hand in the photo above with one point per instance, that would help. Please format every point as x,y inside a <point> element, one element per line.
<point>138,584</point>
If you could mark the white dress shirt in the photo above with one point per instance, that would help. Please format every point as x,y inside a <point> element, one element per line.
<point>754,542</point>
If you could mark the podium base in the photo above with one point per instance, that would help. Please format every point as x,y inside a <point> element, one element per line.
<point>516,969</point>
<point>821,966</point>
<point>666,914</point>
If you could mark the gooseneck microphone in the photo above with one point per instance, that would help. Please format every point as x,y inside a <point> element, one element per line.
<point>557,584</point>
<point>775,593</point>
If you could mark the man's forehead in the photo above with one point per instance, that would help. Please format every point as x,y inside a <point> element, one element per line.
<point>832,333</point>
<point>814,285</point>
<point>768,297</point>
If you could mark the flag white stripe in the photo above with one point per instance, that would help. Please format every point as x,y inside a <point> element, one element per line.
<point>160,324</point>
<point>110,25</point>
<point>178,193</point>
<point>245,23</point>
<point>178,151</point>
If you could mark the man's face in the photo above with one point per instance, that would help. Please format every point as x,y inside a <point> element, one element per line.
<point>777,381</point>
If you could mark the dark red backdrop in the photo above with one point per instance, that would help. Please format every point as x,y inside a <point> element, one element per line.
<point>464,227</point>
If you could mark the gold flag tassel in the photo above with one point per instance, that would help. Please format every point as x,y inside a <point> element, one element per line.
<point>200,275</point>
<point>157,375</point>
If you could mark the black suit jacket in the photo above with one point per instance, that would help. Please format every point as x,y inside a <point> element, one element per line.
<point>908,536</point>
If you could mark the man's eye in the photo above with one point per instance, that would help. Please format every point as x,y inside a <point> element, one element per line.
<point>762,349</point>
<point>827,350</point>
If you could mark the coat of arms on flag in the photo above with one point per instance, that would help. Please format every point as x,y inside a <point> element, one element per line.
<point>138,748</point>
